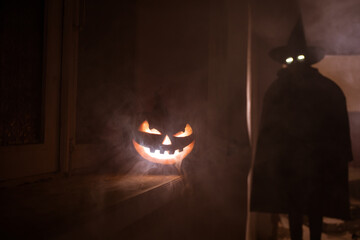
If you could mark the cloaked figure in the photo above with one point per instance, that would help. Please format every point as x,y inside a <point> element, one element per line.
<point>303,148</point>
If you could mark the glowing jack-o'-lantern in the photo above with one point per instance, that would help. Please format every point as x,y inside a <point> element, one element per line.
<point>163,146</point>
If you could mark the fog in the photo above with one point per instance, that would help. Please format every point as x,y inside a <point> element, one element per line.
<point>193,57</point>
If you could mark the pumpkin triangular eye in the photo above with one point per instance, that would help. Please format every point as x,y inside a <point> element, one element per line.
<point>188,131</point>
<point>144,127</point>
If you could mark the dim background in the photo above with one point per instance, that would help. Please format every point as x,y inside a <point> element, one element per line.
<point>75,74</point>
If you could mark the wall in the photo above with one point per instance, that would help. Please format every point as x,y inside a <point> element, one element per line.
<point>343,70</point>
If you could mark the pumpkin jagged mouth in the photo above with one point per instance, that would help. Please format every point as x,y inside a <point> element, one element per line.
<point>158,152</point>
<point>164,158</point>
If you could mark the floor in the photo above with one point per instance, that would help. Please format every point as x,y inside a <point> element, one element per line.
<point>334,229</point>
<point>85,205</point>
<point>45,206</point>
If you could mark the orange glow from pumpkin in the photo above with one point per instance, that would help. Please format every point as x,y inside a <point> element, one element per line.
<point>144,127</point>
<point>164,158</point>
<point>166,141</point>
<point>188,132</point>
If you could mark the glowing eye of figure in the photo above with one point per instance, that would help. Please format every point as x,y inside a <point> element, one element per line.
<point>301,58</point>
<point>188,131</point>
<point>144,127</point>
<point>289,60</point>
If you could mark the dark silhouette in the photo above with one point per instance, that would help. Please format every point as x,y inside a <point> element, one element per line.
<point>303,149</point>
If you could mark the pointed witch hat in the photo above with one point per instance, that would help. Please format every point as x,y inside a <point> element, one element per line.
<point>297,46</point>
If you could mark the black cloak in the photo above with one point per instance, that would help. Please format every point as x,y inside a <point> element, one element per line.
<point>304,144</point>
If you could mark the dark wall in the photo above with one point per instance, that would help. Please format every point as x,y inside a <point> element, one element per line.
<point>172,55</point>
<point>105,85</point>
<point>334,25</point>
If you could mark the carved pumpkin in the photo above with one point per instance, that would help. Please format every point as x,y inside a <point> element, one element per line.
<point>163,145</point>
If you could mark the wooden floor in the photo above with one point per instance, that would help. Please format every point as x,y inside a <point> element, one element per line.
<point>82,206</point>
